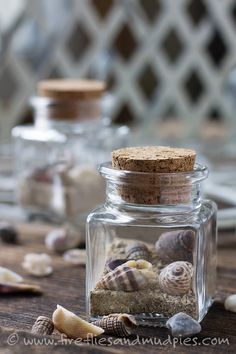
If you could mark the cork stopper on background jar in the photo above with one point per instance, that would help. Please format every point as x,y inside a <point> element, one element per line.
<point>156,174</point>
<point>68,99</point>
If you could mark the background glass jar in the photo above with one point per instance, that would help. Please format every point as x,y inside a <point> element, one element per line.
<point>56,158</point>
<point>151,260</point>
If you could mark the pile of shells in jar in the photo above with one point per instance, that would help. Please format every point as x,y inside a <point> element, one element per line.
<point>145,278</point>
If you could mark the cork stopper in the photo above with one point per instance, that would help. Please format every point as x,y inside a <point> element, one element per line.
<point>73,100</point>
<point>43,325</point>
<point>159,184</point>
<point>160,159</point>
<point>69,89</point>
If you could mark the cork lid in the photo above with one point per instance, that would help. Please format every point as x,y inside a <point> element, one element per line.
<point>70,89</point>
<point>160,159</point>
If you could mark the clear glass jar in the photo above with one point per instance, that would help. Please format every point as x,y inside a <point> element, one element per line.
<point>57,157</point>
<point>170,246</point>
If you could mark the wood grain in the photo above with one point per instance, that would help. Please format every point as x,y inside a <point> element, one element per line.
<point>66,287</point>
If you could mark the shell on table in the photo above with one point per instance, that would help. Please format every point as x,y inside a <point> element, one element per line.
<point>230,303</point>
<point>138,250</point>
<point>73,326</point>
<point>8,276</point>
<point>176,246</point>
<point>38,264</point>
<point>60,240</point>
<point>75,256</point>
<point>183,325</point>
<point>127,278</point>
<point>15,288</point>
<point>176,278</point>
<point>119,324</point>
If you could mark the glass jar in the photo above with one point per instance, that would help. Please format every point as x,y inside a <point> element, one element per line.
<point>151,260</point>
<point>57,156</point>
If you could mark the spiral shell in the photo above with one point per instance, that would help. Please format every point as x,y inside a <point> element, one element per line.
<point>176,278</point>
<point>127,278</point>
<point>112,264</point>
<point>176,246</point>
<point>119,324</point>
<point>138,250</point>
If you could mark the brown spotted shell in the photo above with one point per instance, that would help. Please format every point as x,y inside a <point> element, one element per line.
<point>119,324</point>
<point>176,246</point>
<point>127,278</point>
<point>176,278</point>
<point>138,250</point>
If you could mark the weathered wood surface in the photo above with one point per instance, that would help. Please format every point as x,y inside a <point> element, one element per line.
<point>66,287</point>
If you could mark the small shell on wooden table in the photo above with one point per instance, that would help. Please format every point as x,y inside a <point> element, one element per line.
<point>17,288</point>
<point>60,240</point>
<point>43,325</point>
<point>138,250</point>
<point>38,264</point>
<point>176,246</point>
<point>75,256</point>
<point>8,276</point>
<point>119,324</point>
<point>176,278</point>
<point>74,326</point>
<point>230,303</point>
<point>127,278</point>
<point>183,325</point>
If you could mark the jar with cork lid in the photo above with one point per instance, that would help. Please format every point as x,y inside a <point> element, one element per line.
<point>151,247</point>
<point>56,157</point>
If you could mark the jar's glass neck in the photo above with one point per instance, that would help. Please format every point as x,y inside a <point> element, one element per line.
<point>154,192</point>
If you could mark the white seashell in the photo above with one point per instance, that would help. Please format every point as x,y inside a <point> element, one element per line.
<point>176,278</point>
<point>73,326</point>
<point>75,256</point>
<point>37,264</point>
<point>230,303</point>
<point>60,240</point>
<point>8,276</point>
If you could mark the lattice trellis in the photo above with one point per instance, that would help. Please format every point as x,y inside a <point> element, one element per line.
<point>160,58</point>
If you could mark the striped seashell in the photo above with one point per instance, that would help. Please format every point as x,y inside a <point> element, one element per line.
<point>112,264</point>
<point>119,324</point>
<point>138,250</point>
<point>176,246</point>
<point>127,278</point>
<point>176,278</point>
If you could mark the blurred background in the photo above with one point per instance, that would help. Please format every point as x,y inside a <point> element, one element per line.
<point>164,61</point>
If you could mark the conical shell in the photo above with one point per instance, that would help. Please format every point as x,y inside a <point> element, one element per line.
<point>11,288</point>
<point>176,278</point>
<point>176,246</point>
<point>138,250</point>
<point>74,326</point>
<point>117,324</point>
<point>127,278</point>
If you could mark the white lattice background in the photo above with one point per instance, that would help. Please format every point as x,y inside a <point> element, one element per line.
<point>161,58</point>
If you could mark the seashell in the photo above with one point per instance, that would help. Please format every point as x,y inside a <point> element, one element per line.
<point>176,246</point>
<point>75,256</point>
<point>8,276</point>
<point>114,263</point>
<point>127,278</point>
<point>11,288</point>
<point>43,325</point>
<point>183,325</point>
<point>60,240</point>
<point>37,264</point>
<point>8,233</point>
<point>139,264</point>
<point>230,303</point>
<point>119,324</point>
<point>73,326</point>
<point>176,278</point>
<point>138,250</point>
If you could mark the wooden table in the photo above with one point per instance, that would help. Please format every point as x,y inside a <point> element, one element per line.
<point>66,287</point>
